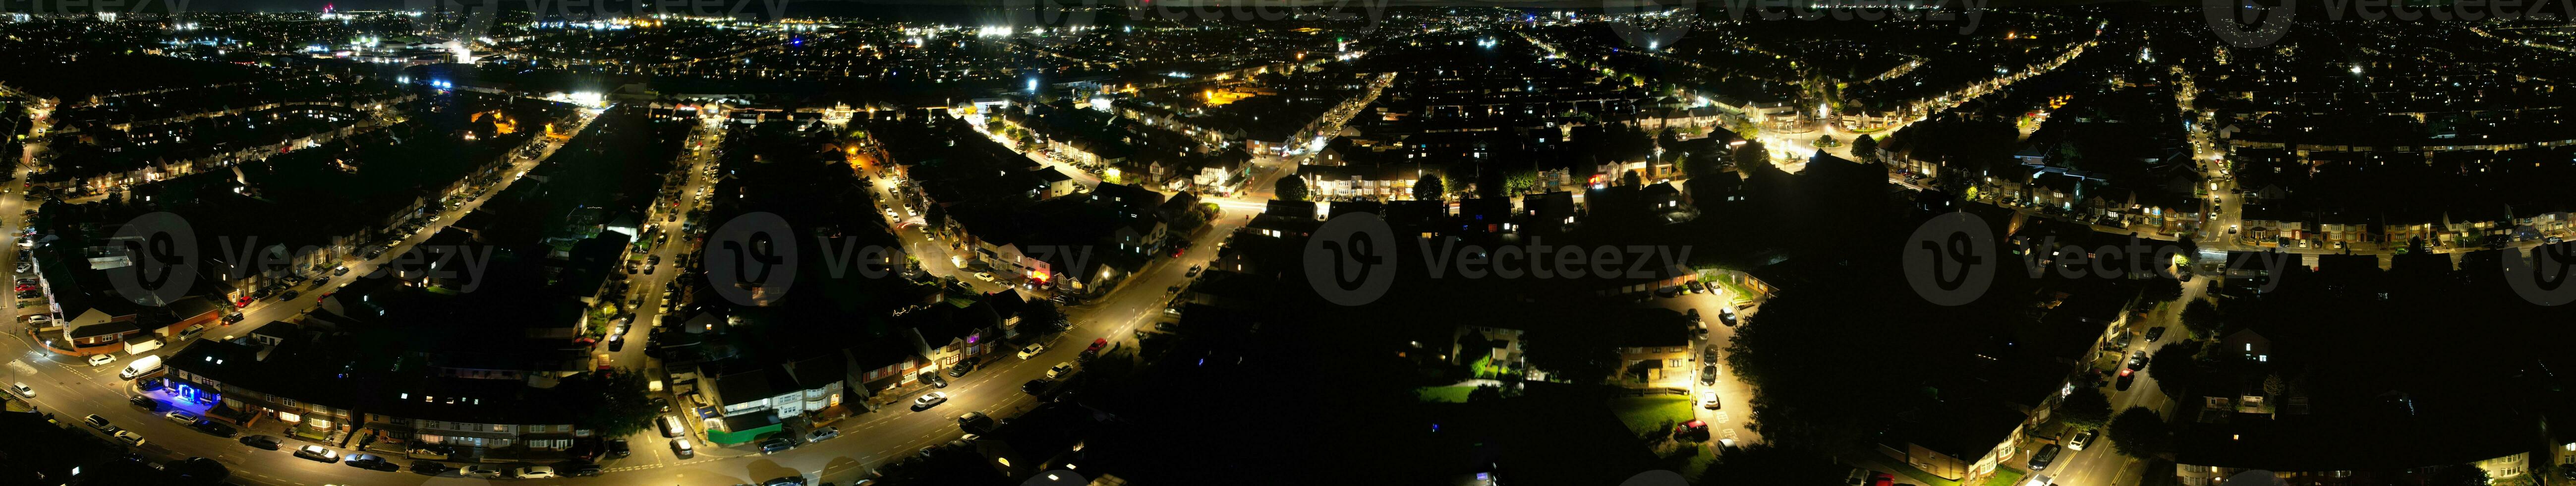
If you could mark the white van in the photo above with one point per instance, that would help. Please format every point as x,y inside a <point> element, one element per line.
<point>140,346</point>
<point>141,366</point>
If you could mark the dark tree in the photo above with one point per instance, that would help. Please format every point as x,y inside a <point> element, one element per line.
<point>1768,464</point>
<point>936,216</point>
<point>612,402</point>
<point>2140,433</point>
<point>1631,179</point>
<point>2176,366</point>
<point>2159,290</point>
<point>1428,189</point>
<point>1583,356</point>
<point>2459,475</point>
<point>1291,189</point>
<point>2086,407</point>
<point>1041,316</point>
<point>2201,317</point>
<point>1865,148</point>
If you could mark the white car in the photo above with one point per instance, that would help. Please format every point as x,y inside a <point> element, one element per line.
<point>1060,369</point>
<point>1708,399</point>
<point>129,437</point>
<point>183,418</point>
<point>533,472</point>
<point>101,359</point>
<point>23,390</point>
<point>928,400</point>
<point>1031,350</point>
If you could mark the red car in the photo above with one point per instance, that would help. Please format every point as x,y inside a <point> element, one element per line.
<point>1695,425</point>
<point>1098,343</point>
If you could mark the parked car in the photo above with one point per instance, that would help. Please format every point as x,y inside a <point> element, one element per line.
<point>210,427</point>
<point>97,422</point>
<point>533,472</point>
<point>2154,333</point>
<point>1031,350</point>
<point>1708,400</point>
<point>2137,361</point>
<point>143,401</point>
<point>102,359</point>
<point>1694,426</point>
<point>822,434</point>
<point>681,447</point>
<point>579,469</point>
<point>485,472</point>
<point>2040,460</point>
<point>1034,387</point>
<point>776,445</point>
<point>129,437</point>
<point>1726,316</point>
<point>261,441</point>
<point>2082,439</point>
<point>961,368</point>
<point>617,448</point>
<point>365,461</point>
<point>1708,375</point>
<point>23,391</point>
<point>183,418</point>
<point>432,468</point>
<point>317,453</point>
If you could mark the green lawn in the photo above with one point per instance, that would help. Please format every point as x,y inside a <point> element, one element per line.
<point>1451,394</point>
<point>2004,476</point>
<point>1643,414</point>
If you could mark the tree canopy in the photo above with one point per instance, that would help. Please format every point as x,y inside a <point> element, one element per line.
<point>2140,433</point>
<point>1291,189</point>
<point>2201,317</point>
<point>1428,189</point>
<point>613,403</point>
<point>2086,407</point>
